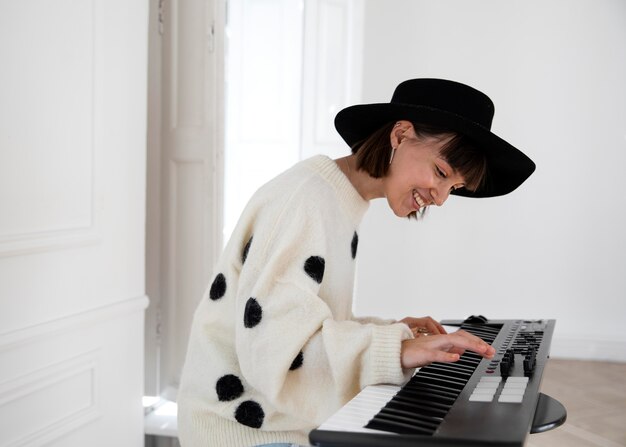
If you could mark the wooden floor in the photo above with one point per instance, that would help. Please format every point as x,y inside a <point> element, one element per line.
<point>594,394</point>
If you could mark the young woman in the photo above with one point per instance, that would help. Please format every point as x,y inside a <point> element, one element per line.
<point>274,348</point>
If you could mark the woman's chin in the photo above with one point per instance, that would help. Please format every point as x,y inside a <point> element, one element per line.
<point>402,210</point>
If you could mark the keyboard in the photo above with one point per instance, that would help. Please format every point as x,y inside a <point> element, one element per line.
<point>474,401</point>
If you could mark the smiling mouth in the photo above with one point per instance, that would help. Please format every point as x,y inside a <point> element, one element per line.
<point>421,203</point>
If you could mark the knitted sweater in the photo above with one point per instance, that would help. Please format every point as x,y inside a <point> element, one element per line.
<point>274,348</point>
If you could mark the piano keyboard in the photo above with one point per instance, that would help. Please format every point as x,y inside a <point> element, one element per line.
<point>474,401</point>
<point>359,411</point>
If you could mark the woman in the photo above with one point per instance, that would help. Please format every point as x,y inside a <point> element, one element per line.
<point>274,348</point>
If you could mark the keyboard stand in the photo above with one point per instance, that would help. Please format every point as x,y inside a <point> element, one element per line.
<point>550,413</point>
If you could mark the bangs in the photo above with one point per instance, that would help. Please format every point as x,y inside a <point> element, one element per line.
<point>465,159</point>
<point>460,153</point>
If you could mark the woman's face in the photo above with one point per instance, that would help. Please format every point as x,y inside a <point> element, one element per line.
<point>418,176</point>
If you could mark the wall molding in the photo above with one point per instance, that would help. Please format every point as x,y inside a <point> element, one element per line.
<point>50,240</point>
<point>9,340</point>
<point>56,417</point>
<point>62,235</point>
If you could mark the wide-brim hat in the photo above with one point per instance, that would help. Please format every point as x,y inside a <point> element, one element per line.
<point>449,105</point>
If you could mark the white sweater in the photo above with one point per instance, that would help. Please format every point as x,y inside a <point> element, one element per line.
<point>274,349</point>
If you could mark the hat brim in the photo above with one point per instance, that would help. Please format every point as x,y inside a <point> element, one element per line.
<point>507,166</point>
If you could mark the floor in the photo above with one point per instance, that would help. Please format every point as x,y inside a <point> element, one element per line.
<point>594,394</point>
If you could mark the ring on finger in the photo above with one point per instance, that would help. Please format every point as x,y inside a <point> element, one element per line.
<point>421,331</point>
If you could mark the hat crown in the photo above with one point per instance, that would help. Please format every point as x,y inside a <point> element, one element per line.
<point>447,96</point>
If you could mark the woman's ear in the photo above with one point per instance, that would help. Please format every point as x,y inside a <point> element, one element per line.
<point>400,131</point>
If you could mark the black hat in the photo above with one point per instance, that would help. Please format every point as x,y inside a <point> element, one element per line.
<point>450,105</point>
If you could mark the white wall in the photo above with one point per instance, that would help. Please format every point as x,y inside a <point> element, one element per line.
<point>72,201</point>
<point>555,248</point>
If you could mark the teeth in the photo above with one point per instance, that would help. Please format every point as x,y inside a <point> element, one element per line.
<point>419,200</point>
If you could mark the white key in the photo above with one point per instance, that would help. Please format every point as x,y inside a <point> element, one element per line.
<point>488,385</point>
<point>515,385</point>
<point>511,391</point>
<point>491,379</point>
<point>484,391</point>
<point>480,397</point>
<point>511,398</point>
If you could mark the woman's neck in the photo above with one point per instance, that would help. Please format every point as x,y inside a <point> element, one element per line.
<point>367,186</point>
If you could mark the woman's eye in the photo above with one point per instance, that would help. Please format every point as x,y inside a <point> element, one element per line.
<point>441,173</point>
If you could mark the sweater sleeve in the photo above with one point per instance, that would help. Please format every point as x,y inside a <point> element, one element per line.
<point>288,343</point>
<point>374,320</point>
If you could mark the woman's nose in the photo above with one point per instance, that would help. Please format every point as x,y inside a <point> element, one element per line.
<point>440,195</point>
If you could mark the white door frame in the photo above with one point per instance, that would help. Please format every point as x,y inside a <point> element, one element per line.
<point>185,176</point>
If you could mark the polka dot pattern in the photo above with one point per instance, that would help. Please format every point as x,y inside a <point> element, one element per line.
<point>314,267</point>
<point>246,249</point>
<point>297,362</point>
<point>250,413</point>
<point>218,288</point>
<point>252,314</point>
<point>354,245</point>
<point>228,388</point>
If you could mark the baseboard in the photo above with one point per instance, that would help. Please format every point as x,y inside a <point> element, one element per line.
<point>588,349</point>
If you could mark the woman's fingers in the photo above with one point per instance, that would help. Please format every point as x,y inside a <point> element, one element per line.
<point>466,341</point>
<point>442,356</point>
<point>480,346</point>
<point>424,325</point>
<point>434,327</point>
<point>413,356</point>
<point>442,348</point>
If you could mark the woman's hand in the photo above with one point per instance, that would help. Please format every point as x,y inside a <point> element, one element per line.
<point>421,351</point>
<point>423,326</point>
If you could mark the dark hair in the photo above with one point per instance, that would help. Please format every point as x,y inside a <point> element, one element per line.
<point>460,152</point>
